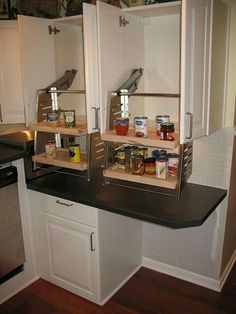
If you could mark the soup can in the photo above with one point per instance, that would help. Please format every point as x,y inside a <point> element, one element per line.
<point>159,120</point>
<point>120,155</point>
<point>138,165</point>
<point>53,118</point>
<point>141,126</point>
<point>162,167</point>
<point>50,149</point>
<point>74,153</point>
<point>69,118</point>
<point>173,164</point>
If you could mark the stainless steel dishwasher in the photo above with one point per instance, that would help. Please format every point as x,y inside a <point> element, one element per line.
<point>12,255</point>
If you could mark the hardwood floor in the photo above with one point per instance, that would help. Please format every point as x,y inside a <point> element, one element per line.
<point>145,293</point>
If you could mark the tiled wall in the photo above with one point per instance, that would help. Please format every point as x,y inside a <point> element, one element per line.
<point>196,249</point>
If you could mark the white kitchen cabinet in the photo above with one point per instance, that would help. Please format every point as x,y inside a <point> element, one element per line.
<point>150,39</point>
<point>46,55</point>
<point>11,95</point>
<point>81,248</point>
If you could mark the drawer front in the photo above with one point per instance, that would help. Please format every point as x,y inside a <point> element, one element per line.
<point>70,210</point>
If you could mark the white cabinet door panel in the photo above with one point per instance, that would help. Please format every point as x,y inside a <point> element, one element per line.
<point>120,50</point>
<point>194,68</point>
<point>70,255</point>
<point>11,95</point>
<point>37,59</point>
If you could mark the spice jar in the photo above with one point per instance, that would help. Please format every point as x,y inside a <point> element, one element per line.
<point>167,131</point>
<point>150,166</point>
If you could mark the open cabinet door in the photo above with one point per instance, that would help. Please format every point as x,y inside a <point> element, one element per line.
<point>195,32</point>
<point>91,67</point>
<point>37,60</point>
<point>120,50</point>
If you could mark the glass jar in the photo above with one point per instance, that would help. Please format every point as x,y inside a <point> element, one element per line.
<point>167,131</point>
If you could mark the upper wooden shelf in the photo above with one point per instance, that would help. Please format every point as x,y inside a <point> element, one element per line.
<point>152,140</point>
<point>158,9</point>
<point>80,129</point>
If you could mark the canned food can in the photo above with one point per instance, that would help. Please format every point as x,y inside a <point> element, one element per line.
<point>141,126</point>
<point>74,153</point>
<point>120,158</point>
<point>69,118</point>
<point>173,164</point>
<point>162,168</point>
<point>159,120</point>
<point>53,118</point>
<point>138,165</point>
<point>50,149</point>
<point>143,151</point>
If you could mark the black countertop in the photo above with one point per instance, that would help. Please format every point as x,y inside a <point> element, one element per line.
<point>195,205</point>
<point>8,154</point>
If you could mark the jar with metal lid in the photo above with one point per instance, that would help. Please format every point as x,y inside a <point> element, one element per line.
<point>167,131</point>
<point>138,165</point>
<point>159,120</point>
<point>150,166</point>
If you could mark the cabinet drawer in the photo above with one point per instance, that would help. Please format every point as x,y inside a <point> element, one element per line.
<point>70,210</point>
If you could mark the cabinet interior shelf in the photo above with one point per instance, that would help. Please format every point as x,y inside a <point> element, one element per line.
<point>80,129</point>
<point>152,140</point>
<point>160,9</point>
<point>62,160</point>
<point>116,173</point>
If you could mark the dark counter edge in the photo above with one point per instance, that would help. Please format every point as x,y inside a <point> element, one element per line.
<point>9,154</point>
<point>32,185</point>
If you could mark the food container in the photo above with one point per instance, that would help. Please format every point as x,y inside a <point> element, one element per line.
<point>69,119</point>
<point>141,126</point>
<point>120,157</point>
<point>138,165</point>
<point>53,118</point>
<point>121,126</point>
<point>74,153</point>
<point>167,131</point>
<point>158,153</point>
<point>143,151</point>
<point>150,166</point>
<point>173,164</point>
<point>162,167</point>
<point>159,120</point>
<point>50,149</point>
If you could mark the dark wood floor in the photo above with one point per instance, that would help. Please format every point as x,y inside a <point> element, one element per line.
<point>147,292</point>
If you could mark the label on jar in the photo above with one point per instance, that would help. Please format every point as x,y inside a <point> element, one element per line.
<point>141,126</point>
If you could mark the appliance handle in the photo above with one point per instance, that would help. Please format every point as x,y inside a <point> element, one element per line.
<point>190,125</point>
<point>65,204</point>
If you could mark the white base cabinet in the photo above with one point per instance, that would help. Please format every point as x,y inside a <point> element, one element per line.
<point>81,248</point>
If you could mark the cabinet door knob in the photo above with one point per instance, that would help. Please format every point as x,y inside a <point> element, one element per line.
<point>62,203</point>
<point>190,125</point>
<point>91,241</point>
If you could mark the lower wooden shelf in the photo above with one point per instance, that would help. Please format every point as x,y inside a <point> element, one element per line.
<point>116,173</point>
<point>62,160</point>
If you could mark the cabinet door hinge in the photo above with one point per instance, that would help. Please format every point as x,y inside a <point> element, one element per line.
<point>52,29</point>
<point>123,21</point>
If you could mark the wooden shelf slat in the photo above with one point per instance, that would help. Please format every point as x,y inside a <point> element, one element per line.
<point>152,140</point>
<point>80,129</point>
<point>115,173</point>
<point>62,160</point>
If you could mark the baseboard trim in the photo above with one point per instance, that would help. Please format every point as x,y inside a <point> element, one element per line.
<point>182,274</point>
<point>120,285</point>
<point>227,269</point>
<point>19,289</point>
